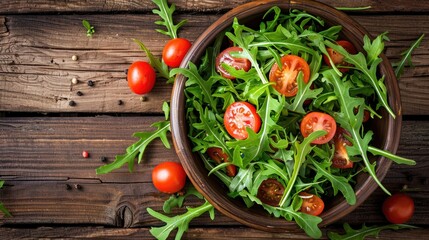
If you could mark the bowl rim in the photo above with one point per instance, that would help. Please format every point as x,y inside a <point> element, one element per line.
<point>178,122</point>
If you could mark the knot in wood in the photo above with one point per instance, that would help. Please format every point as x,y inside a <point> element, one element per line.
<point>124,217</point>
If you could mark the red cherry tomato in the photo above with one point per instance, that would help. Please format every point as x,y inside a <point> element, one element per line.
<point>315,121</point>
<point>341,158</point>
<point>270,192</point>
<point>398,208</point>
<point>238,116</point>
<point>219,156</point>
<point>311,204</point>
<point>237,63</point>
<point>285,78</point>
<point>141,77</point>
<point>337,58</point>
<point>174,51</point>
<point>169,177</point>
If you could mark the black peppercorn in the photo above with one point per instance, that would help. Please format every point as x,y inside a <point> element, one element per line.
<point>103,159</point>
<point>78,186</point>
<point>126,71</point>
<point>120,102</point>
<point>68,187</point>
<point>90,83</point>
<point>72,103</point>
<point>79,93</point>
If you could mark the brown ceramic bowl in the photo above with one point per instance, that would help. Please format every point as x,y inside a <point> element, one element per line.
<point>386,130</point>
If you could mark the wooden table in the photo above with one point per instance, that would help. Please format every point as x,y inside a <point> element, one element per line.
<point>53,192</point>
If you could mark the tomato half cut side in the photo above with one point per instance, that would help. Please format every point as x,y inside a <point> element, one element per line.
<point>315,121</point>
<point>285,77</point>
<point>219,157</point>
<point>311,204</point>
<point>237,63</point>
<point>239,116</point>
<point>337,58</point>
<point>341,158</point>
<point>270,192</point>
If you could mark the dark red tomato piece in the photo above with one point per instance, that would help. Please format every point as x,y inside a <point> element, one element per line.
<point>341,158</point>
<point>315,121</point>
<point>366,114</point>
<point>239,116</point>
<point>174,51</point>
<point>311,204</point>
<point>141,77</point>
<point>237,63</point>
<point>169,177</point>
<point>398,208</point>
<point>337,58</point>
<point>270,192</point>
<point>219,156</point>
<point>285,77</point>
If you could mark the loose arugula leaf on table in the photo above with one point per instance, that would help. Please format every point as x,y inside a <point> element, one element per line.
<point>89,29</point>
<point>3,209</point>
<point>166,13</point>
<point>181,222</point>
<point>360,234</point>
<point>406,58</point>
<point>138,148</point>
<point>177,200</point>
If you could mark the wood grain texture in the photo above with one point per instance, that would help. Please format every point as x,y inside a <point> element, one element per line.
<point>36,67</point>
<point>39,157</point>
<point>46,6</point>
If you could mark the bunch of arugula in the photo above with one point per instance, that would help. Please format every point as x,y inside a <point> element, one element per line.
<point>297,164</point>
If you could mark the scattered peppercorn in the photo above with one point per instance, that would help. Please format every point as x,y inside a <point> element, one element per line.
<point>85,154</point>
<point>126,71</point>
<point>79,93</point>
<point>143,98</point>
<point>120,102</point>
<point>74,80</point>
<point>78,186</point>
<point>74,58</point>
<point>90,83</point>
<point>72,103</point>
<point>103,159</point>
<point>68,187</point>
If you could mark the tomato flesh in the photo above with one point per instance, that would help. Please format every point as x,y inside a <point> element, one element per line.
<point>141,77</point>
<point>270,192</point>
<point>315,121</point>
<point>219,156</point>
<point>239,116</point>
<point>311,204</point>
<point>341,158</point>
<point>285,77</point>
<point>174,51</point>
<point>337,58</point>
<point>398,208</point>
<point>237,63</point>
<point>169,177</point>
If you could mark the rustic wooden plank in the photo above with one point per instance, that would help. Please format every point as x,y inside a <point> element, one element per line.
<point>192,233</point>
<point>36,67</point>
<point>43,155</point>
<point>46,6</point>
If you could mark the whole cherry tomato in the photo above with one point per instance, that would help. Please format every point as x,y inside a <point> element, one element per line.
<point>174,51</point>
<point>398,208</point>
<point>141,77</point>
<point>169,177</point>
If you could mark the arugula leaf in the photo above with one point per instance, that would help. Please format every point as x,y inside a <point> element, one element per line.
<point>181,222</point>
<point>307,222</point>
<point>406,57</point>
<point>360,234</point>
<point>3,209</point>
<point>160,66</point>
<point>166,13</point>
<point>177,200</point>
<point>89,29</point>
<point>138,148</point>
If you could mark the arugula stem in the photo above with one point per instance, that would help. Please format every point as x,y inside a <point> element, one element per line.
<point>393,157</point>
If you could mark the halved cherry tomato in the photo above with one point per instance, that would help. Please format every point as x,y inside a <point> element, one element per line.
<point>174,51</point>
<point>270,192</point>
<point>398,208</point>
<point>337,58</point>
<point>219,156</point>
<point>237,63</point>
<point>141,77</point>
<point>315,121</point>
<point>239,116</point>
<point>285,76</point>
<point>169,177</point>
<point>341,158</point>
<point>311,204</point>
